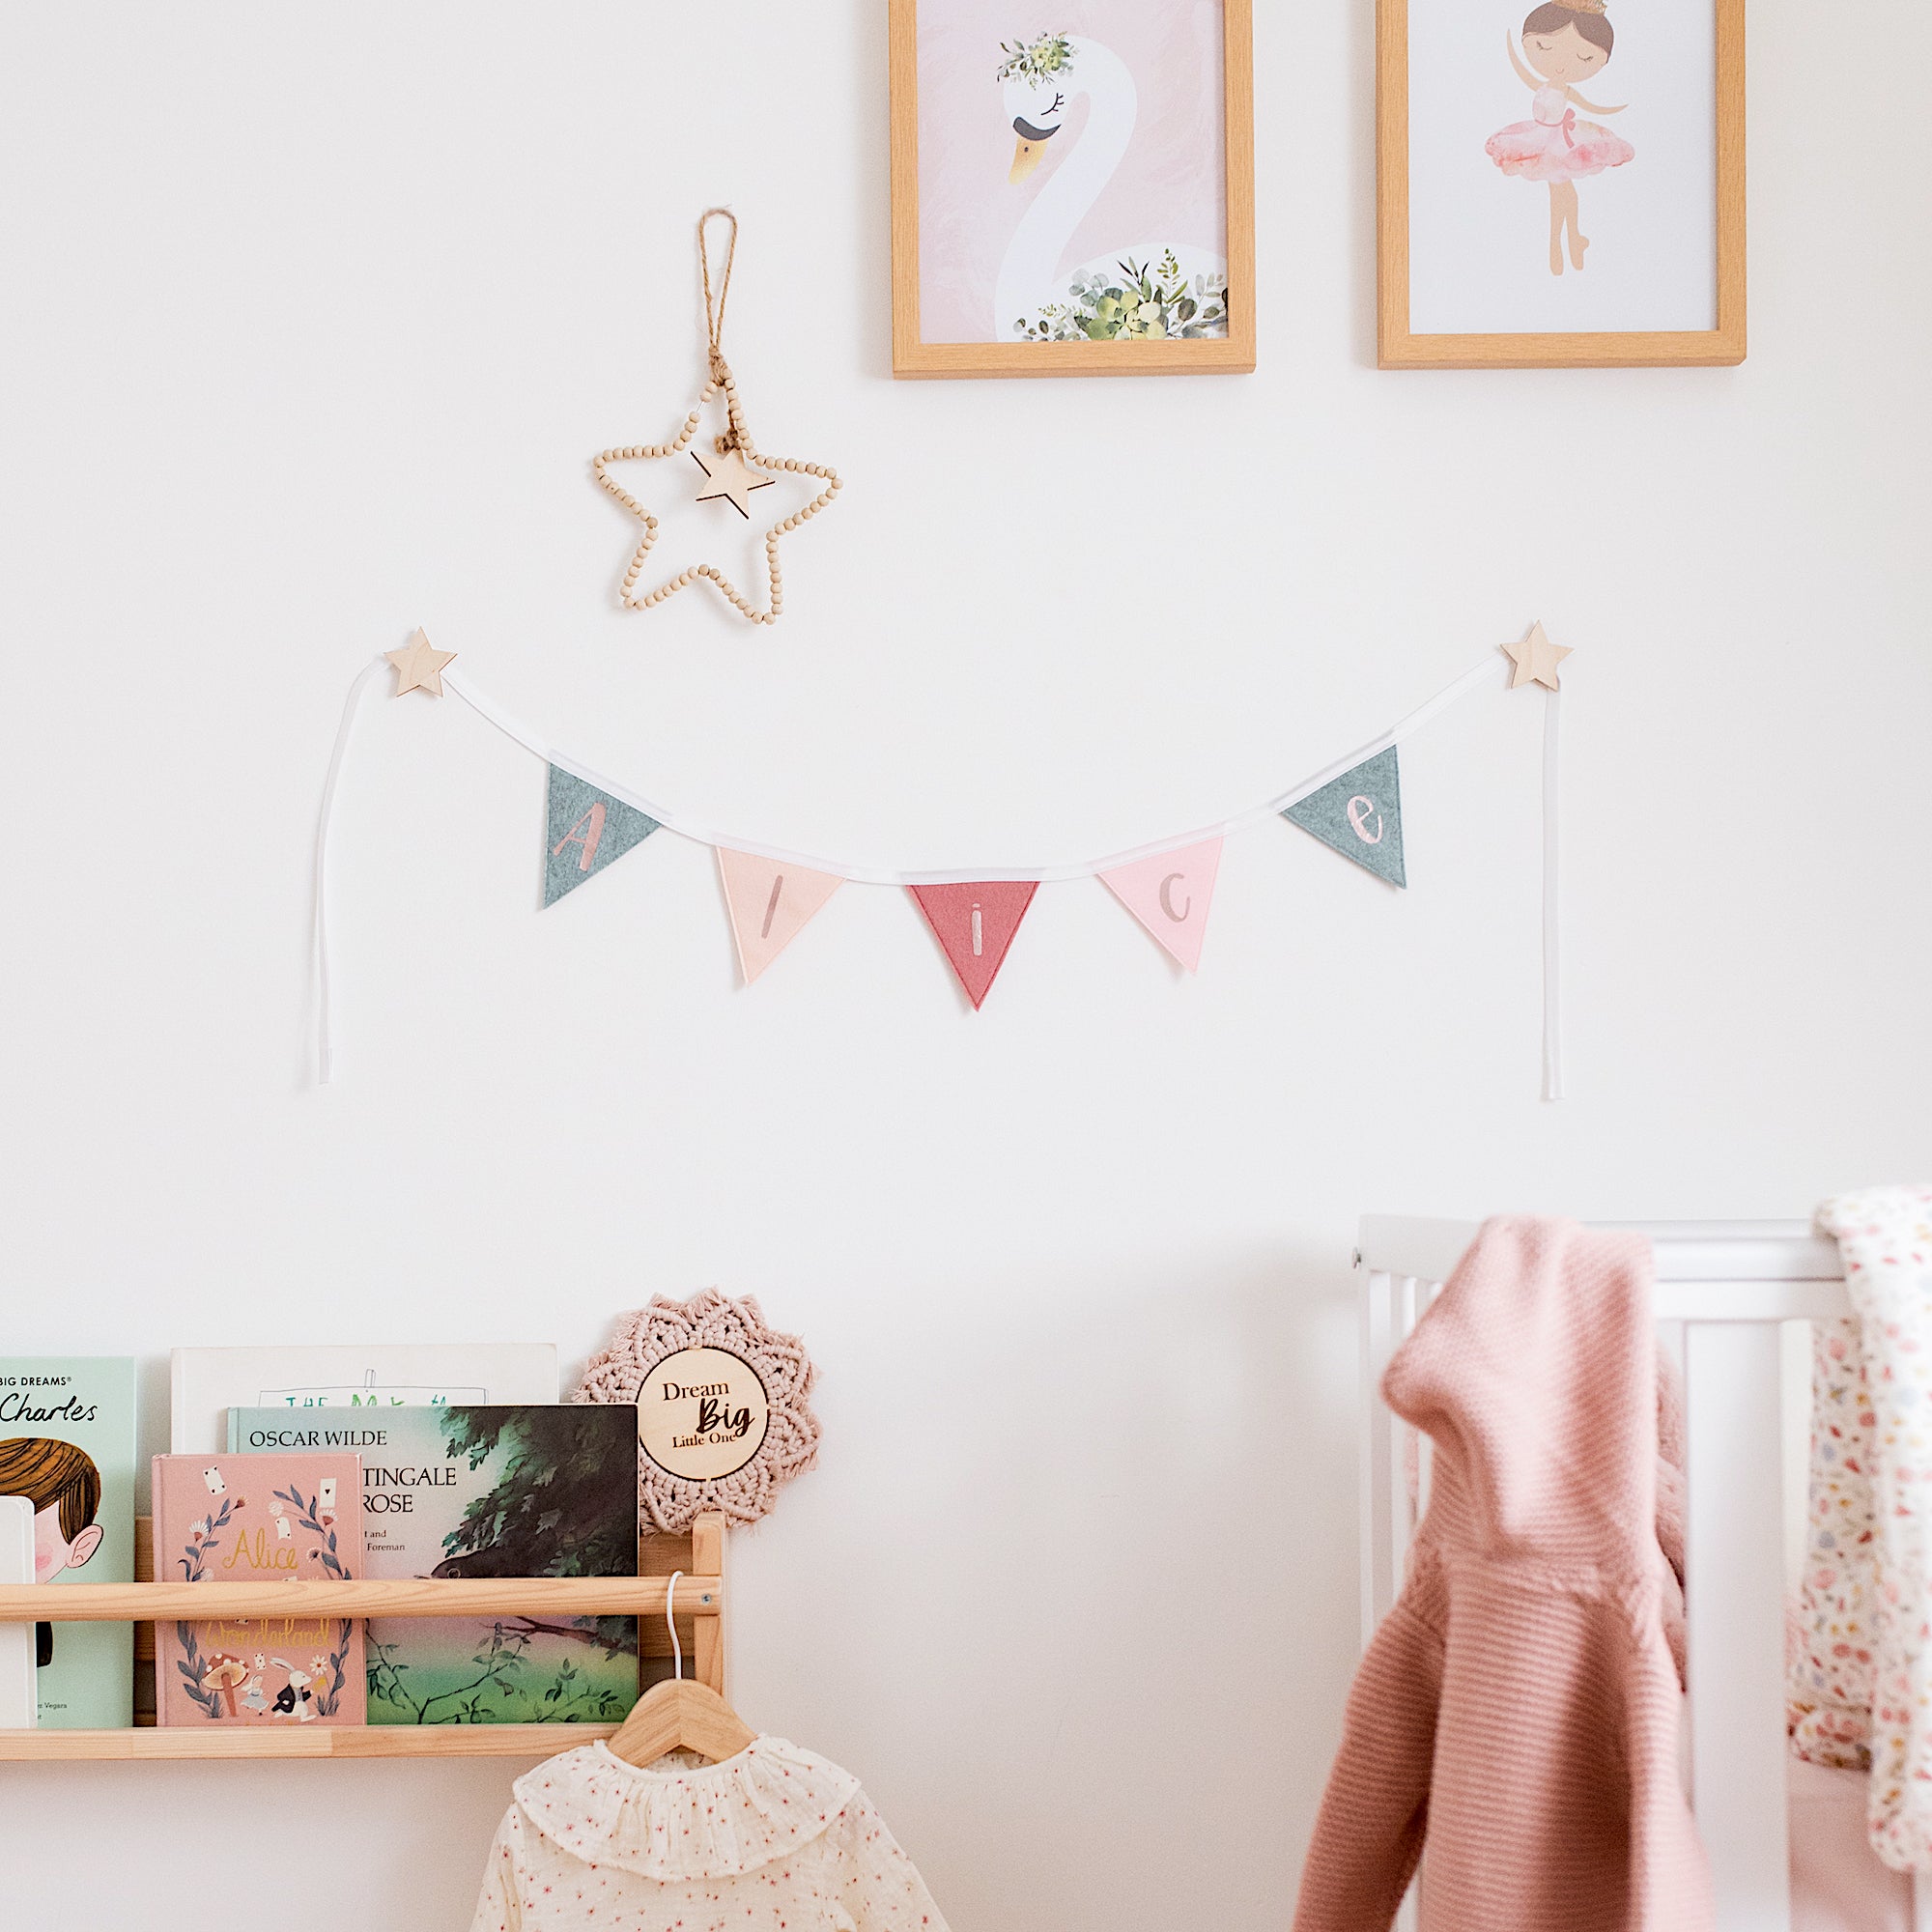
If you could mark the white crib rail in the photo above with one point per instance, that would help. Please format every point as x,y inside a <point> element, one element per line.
<point>1731,1284</point>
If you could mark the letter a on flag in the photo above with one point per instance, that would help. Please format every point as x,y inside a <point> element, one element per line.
<point>974,924</point>
<point>1170,895</point>
<point>770,902</point>
<point>1360,815</point>
<point>583,830</point>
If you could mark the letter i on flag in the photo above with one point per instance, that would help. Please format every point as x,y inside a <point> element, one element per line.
<point>974,924</point>
<point>584,829</point>
<point>1170,895</point>
<point>770,902</point>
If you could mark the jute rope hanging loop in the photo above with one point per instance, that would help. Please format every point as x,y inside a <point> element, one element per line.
<point>736,468</point>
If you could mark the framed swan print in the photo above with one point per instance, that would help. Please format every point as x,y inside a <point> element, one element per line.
<point>1073,201</point>
<point>1560,182</point>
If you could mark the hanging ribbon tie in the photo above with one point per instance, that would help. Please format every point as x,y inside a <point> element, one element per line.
<point>735,435</point>
<point>1568,123</point>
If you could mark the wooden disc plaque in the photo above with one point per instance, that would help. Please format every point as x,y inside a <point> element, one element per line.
<point>724,1415</point>
<point>703,1413</point>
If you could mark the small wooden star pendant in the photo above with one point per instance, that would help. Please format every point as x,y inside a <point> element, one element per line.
<point>418,667</point>
<point>729,477</point>
<point>1535,659</point>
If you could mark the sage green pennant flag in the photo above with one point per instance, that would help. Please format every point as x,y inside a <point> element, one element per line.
<point>584,829</point>
<point>1360,815</point>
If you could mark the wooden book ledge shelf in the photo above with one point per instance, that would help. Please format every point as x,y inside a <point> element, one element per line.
<point>699,1607</point>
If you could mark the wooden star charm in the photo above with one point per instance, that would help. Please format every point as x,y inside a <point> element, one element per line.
<point>730,478</point>
<point>418,667</point>
<point>1535,659</point>
<point>730,475</point>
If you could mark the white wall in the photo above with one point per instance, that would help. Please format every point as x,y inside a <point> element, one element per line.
<point>311,323</point>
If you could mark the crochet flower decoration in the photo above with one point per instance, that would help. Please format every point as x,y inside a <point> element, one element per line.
<point>712,1319</point>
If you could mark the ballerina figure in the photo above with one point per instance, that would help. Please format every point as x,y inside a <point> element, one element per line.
<point>1562,43</point>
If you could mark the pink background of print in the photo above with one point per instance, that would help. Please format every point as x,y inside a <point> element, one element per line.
<point>1169,189</point>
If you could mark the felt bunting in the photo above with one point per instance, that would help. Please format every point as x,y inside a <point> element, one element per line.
<point>974,924</point>
<point>1360,815</point>
<point>770,902</point>
<point>584,829</point>
<point>1169,886</point>
<point>1169,894</point>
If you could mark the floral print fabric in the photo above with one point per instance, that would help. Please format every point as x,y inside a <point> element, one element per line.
<point>776,1840</point>
<point>1861,1675</point>
<point>1830,1707</point>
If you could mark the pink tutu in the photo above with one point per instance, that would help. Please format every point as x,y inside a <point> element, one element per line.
<point>1556,146</point>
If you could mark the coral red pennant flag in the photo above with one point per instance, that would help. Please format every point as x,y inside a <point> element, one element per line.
<point>974,924</point>
<point>1170,895</point>
<point>769,900</point>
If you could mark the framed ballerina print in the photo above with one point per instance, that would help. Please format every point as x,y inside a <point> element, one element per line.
<point>1077,201</point>
<point>1560,184</point>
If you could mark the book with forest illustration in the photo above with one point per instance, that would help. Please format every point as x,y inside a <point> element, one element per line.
<point>264,1520</point>
<point>487,1489</point>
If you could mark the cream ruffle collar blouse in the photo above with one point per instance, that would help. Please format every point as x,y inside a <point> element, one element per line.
<point>776,1840</point>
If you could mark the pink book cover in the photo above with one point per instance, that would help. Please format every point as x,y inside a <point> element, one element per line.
<point>254,1520</point>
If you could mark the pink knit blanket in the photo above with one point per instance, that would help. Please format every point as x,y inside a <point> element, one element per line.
<point>1517,1714</point>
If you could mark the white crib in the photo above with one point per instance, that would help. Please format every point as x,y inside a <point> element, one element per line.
<point>1731,1284</point>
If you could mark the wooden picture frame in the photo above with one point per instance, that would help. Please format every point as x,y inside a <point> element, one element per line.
<point>1229,354</point>
<point>1402,346</point>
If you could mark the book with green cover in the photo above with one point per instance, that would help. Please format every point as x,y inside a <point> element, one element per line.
<point>486,1489</point>
<point>66,1445</point>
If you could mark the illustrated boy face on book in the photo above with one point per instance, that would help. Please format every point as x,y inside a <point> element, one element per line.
<point>63,1487</point>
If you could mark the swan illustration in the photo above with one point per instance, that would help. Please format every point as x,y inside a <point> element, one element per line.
<point>1146,291</point>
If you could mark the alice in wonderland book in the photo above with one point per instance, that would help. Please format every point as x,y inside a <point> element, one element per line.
<point>258,1519</point>
<point>67,1448</point>
<point>518,1489</point>
<point>204,1383</point>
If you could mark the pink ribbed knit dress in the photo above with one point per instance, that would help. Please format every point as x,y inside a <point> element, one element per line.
<point>1517,1715</point>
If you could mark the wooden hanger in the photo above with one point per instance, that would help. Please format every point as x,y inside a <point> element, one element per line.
<point>679,1714</point>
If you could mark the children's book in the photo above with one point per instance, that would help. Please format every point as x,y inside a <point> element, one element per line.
<point>19,1696</point>
<point>206,1381</point>
<point>66,1445</point>
<point>524,1490</point>
<point>257,1519</point>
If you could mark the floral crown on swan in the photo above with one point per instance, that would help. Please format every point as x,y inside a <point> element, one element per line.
<point>1040,60</point>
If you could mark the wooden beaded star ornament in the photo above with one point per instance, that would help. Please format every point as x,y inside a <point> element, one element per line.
<point>732,469</point>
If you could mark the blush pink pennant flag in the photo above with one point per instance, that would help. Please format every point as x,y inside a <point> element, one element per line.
<point>1169,894</point>
<point>770,902</point>
<point>974,924</point>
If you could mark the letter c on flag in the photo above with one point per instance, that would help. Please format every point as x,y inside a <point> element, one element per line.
<point>1360,810</point>
<point>1167,903</point>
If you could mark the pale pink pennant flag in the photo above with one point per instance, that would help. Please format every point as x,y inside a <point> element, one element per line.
<point>1169,894</point>
<point>770,900</point>
<point>975,924</point>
